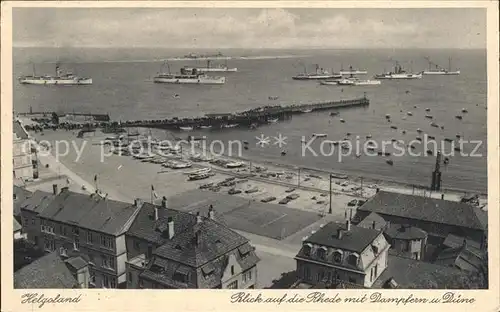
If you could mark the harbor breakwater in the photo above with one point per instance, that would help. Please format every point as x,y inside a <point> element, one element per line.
<point>252,117</point>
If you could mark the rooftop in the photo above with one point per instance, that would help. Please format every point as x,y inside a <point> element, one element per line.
<point>91,212</point>
<point>461,257</point>
<point>414,274</point>
<point>426,209</point>
<point>454,241</point>
<point>404,232</point>
<point>16,226</point>
<point>38,201</point>
<point>373,217</point>
<point>20,195</point>
<point>49,271</point>
<point>19,131</point>
<point>356,240</point>
<point>76,262</point>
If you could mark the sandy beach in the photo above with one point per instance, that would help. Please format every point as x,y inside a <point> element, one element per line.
<point>126,178</point>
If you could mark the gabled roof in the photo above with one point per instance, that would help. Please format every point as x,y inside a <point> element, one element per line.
<point>410,273</point>
<point>19,130</point>
<point>91,211</point>
<point>76,262</point>
<point>49,271</point>
<point>213,241</point>
<point>373,217</point>
<point>454,241</point>
<point>404,232</point>
<point>356,240</point>
<point>38,201</point>
<point>16,226</point>
<point>463,257</point>
<point>20,195</point>
<point>426,209</point>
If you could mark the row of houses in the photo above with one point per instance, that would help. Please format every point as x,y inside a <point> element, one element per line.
<point>392,241</point>
<point>112,244</point>
<point>398,240</point>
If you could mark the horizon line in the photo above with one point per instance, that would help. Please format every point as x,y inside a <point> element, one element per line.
<point>250,48</point>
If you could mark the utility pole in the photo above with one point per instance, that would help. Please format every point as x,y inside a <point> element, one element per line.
<point>330,189</point>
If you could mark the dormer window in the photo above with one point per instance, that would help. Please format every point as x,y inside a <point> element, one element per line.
<point>321,253</point>
<point>353,259</point>
<point>307,250</point>
<point>337,256</point>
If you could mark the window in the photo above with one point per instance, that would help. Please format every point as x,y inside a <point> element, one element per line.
<point>141,284</point>
<point>76,243</point>
<point>375,271</point>
<point>233,285</point>
<point>136,245</point>
<point>307,250</point>
<point>89,237</point>
<point>352,280</point>
<point>371,275</point>
<point>33,221</point>
<point>63,251</point>
<point>108,263</point>
<point>107,242</point>
<point>232,270</point>
<point>91,259</point>
<point>49,244</point>
<point>45,227</point>
<point>321,253</point>
<point>112,282</point>
<point>130,277</point>
<point>406,246</point>
<point>247,276</point>
<point>76,231</point>
<point>307,273</point>
<point>353,259</point>
<point>416,256</point>
<point>337,256</point>
<point>105,281</point>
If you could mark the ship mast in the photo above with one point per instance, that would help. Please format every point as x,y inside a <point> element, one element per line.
<point>449,64</point>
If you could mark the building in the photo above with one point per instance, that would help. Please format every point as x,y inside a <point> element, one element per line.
<point>18,231</point>
<point>406,240</point>
<point>406,273</point>
<point>88,226</point>
<point>168,248</point>
<point>437,217</point>
<point>342,253</point>
<point>24,160</point>
<point>20,194</point>
<point>49,271</point>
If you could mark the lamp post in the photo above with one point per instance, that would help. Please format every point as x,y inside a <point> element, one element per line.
<point>330,189</point>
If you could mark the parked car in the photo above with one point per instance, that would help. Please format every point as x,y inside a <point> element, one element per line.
<point>293,196</point>
<point>284,201</point>
<point>268,199</point>
<point>290,190</point>
<point>353,202</point>
<point>234,191</point>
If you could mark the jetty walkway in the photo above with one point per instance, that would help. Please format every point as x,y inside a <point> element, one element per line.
<point>256,116</point>
<point>249,118</point>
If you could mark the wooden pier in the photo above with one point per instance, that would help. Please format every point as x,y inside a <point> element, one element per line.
<point>256,116</point>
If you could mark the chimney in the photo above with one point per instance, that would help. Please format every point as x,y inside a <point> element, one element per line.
<point>138,202</point>
<point>348,225</point>
<point>339,233</point>
<point>442,196</point>
<point>156,213</point>
<point>164,202</point>
<point>54,189</point>
<point>211,212</point>
<point>198,217</point>
<point>374,225</point>
<point>170,224</point>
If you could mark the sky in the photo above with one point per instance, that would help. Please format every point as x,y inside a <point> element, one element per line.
<point>249,28</point>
